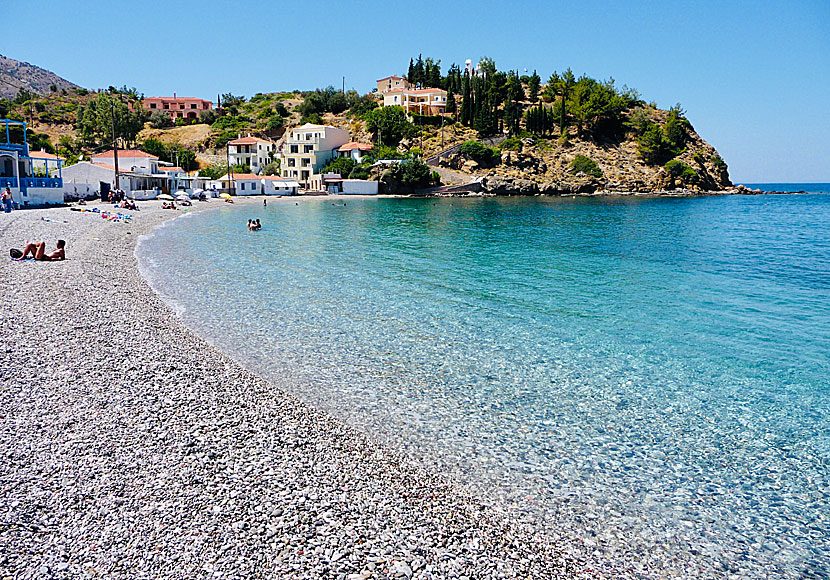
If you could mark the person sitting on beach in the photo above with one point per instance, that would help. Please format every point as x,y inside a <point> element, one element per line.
<point>228,200</point>
<point>38,252</point>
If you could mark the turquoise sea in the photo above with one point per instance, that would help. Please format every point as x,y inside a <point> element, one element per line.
<point>646,380</point>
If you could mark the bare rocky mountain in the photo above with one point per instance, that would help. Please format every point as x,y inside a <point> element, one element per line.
<point>15,75</point>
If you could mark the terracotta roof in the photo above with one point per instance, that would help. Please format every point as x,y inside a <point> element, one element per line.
<point>111,168</point>
<point>390,77</point>
<point>276,178</point>
<point>356,145</point>
<point>43,155</point>
<point>170,169</point>
<point>248,141</point>
<point>176,99</point>
<point>419,91</point>
<point>126,153</point>
<point>244,176</point>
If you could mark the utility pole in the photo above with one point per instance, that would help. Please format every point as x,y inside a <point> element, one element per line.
<point>344,85</point>
<point>230,170</point>
<point>114,146</point>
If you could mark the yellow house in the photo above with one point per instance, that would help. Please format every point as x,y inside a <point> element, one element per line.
<point>393,82</point>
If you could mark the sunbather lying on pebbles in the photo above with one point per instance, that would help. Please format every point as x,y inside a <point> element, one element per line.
<point>38,252</point>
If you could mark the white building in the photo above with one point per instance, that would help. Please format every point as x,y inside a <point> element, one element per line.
<point>354,150</point>
<point>307,149</point>
<point>421,101</point>
<point>250,184</point>
<point>254,152</point>
<point>139,175</point>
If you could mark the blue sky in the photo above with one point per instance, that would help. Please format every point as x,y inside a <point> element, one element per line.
<point>754,77</point>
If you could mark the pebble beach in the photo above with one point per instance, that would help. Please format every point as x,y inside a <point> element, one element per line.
<point>134,449</point>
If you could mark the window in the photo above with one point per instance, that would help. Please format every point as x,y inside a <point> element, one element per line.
<point>166,106</point>
<point>253,162</point>
<point>295,149</point>
<point>306,162</point>
<point>242,186</point>
<point>308,136</point>
<point>396,98</point>
<point>305,174</point>
<point>152,105</point>
<point>292,162</point>
<point>308,148</point>
<point>192,105</point>
<point>181,106</point>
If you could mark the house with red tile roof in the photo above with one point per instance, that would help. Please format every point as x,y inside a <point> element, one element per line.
<point>187,108</point>
<point>355,150</point>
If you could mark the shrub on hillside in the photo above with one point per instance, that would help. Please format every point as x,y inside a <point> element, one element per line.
<point>586,165</point>
<point>160,120</point>
<point>480,153</point>
<point>677,168</point>
<point>512,144</point>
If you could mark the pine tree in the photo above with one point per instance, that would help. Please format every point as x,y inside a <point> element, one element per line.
<point>533,87</point>
<point>434,77</point>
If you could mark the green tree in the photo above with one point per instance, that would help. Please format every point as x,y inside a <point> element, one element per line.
<point>154,147</point>
<point>340,165</point>
<point>451,104</point>
<point>160,120</point>
<point>389,125</point>
<point>272,168</point>
<point>533,85</point>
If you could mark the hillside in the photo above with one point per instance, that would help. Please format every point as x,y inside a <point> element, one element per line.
<point>16,75</point>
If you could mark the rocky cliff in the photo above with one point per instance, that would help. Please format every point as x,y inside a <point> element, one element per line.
<point>531,165</point>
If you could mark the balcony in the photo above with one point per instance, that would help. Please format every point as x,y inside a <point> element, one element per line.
<point>8,182</point>
<point>27,182</point>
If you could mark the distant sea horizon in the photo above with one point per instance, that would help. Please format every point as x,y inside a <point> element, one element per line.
<point>807,187</point>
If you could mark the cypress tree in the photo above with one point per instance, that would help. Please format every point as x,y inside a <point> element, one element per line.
<point>411,74</point>
<point>451,106</point>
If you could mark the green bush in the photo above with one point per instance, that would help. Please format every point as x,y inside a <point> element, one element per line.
<point>160,120</point>
<point>214,171</point>
<point>699,157</point>
<point>719,163</point>
<point>272,168</point>
<point>313,118</point>
<point>677,168</point>
<point>275,122</point>
<point>480,153</point>
<point>512,144</point>
<point>363,106</point>
<point>359,172</point>
<point>340,165</point>
<point>433,120</point>
<point>586,165</point>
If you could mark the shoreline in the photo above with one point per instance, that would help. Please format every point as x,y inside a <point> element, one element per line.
<point>135,448</point>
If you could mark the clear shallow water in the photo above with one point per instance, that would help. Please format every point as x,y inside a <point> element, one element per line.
<point>647,378</point>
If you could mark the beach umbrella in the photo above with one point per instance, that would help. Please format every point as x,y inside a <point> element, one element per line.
<point>182,197</point>
<point>225,195</point>
<point>166,197</point>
